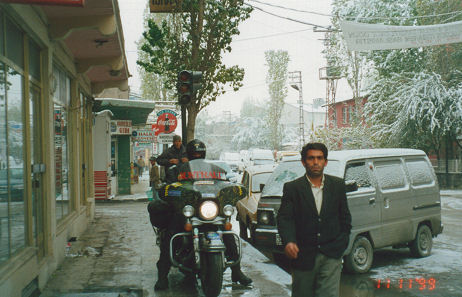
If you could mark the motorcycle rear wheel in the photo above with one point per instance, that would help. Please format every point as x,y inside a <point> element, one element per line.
<point>211,273</point>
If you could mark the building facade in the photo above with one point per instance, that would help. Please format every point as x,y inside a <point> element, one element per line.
<point>54,59</point>
<point>342,114</point>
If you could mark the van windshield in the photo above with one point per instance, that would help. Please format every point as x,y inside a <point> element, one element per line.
<point>288,171</point>
<point>333,168</point>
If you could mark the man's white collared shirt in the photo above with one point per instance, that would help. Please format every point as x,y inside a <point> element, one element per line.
<point>317,193</point>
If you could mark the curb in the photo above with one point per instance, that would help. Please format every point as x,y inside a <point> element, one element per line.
<point>122,200</point>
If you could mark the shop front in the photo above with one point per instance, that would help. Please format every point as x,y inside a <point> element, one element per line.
<point>54,59</point>
<point>128,117</point>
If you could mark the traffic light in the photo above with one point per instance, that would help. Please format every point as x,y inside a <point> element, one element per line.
<point>188,83</point>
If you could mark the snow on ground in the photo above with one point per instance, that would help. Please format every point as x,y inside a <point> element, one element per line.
<point>452,203</point>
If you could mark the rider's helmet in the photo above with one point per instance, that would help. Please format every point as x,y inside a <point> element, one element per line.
<point>195,149</point>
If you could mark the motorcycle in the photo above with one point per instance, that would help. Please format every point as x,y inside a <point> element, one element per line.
<point>206,200</point>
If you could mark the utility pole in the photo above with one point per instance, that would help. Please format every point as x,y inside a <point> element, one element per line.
<point>296,83</point>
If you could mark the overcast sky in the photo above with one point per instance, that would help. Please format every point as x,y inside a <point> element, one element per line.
<point>259,33</point>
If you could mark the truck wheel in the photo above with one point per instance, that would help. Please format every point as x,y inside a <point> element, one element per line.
<point>359,260</point>
<point>421,246</point>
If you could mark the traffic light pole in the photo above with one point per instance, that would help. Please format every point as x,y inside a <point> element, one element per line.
<point>188,83</point>
<point>184,132</point>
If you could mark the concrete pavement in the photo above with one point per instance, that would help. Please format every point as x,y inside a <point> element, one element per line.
<point>116,256</point>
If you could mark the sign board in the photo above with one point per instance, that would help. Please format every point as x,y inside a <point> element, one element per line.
<point>166,121</point>
<point>121,127</point>
<point>164,5</point>
<point>165,138</point>
<point>366,37</point>
<point>79,3</point>
<point>143,136</point>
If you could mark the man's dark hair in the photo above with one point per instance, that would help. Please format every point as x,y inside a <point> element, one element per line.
<point>176,137</point>
<point>314,146</point>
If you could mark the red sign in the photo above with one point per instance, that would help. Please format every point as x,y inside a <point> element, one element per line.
<point>166,122</point>
<point>79,3</point>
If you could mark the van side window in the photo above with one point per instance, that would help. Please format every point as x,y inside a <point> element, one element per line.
<point>358,173</point>
<point>420,172</point>
<point>390,175</point>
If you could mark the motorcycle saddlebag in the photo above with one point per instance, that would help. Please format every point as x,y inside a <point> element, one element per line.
<point>160,213</point>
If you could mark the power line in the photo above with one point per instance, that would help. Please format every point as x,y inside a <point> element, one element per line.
<point>286,18</point>
<point>293,9</point>
<point>271,35</point>
<point>356,17</point>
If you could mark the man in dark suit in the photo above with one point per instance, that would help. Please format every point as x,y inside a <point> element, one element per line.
<point>314,223</point>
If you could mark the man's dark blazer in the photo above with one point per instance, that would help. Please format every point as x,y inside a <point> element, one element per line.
<point>299,222</point>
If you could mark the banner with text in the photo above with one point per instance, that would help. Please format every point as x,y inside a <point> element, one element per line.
<point>366,37</point>
<point>79,3</point>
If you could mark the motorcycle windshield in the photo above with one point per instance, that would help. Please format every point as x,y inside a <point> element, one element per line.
<point>199,169</point>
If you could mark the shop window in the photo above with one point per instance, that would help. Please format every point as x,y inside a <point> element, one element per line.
<point>12,206</point>
<point>61,99</point>
<point>34,60</point>
<point>2,35</point>
<point>14,44</point>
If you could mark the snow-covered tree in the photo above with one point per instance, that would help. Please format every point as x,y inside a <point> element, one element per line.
<point>276,78</point>
<point>413,94</point>
<point>414,109</point>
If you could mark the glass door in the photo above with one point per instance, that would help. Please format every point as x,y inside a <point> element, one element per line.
<point>38,168</point>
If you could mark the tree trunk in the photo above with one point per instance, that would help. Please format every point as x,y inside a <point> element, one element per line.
<point>193,110</point>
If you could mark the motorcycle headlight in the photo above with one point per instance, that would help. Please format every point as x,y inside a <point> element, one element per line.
<point>208,210</point>
<point>228,210</point>
<point>188,211</point>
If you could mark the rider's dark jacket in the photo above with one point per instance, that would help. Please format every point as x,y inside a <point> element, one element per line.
<point>171,153</point>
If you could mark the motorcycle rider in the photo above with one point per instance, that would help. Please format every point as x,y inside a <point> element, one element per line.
<point>174,155</point>
<point>195,149</point>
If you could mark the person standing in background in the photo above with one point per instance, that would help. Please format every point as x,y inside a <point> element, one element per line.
<point>141,165</point>
<point>154,177</point>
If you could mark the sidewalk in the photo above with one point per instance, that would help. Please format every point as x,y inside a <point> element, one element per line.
<point>116,256</point>
<point>138,190</point>
<point>452,193</point>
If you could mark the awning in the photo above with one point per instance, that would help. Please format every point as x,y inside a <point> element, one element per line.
<point>123,109</point>
<point>93,34</point>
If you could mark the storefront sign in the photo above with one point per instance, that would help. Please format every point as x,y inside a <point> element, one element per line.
<point>166,121</point>
<point>79,3</point>
<point>143,136</point>
<point>163,5</point>
<point>121,127</point>
<point>165,138</point>
<point>366,37</point>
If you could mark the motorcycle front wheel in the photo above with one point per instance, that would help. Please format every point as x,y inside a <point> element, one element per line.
<point>211,273</point>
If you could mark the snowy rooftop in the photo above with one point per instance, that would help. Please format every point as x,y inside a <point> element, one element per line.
<point>373,153</point>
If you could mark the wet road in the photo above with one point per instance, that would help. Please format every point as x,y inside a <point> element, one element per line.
<point>395,273</point>
<point>117,254</point>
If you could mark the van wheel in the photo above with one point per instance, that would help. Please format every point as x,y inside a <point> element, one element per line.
<point>421,246</point>
<point>359,260</point>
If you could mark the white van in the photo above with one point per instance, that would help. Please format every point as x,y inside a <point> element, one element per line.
<point>393,197</point>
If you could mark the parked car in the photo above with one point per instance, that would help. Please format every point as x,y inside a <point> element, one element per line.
<point>282,156</point>
<point>258,157</point>
<point>16,184</point>
<point>233,159</point>
<point>392,194</point>
<point>230,174</point>
<point>253,179</point>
